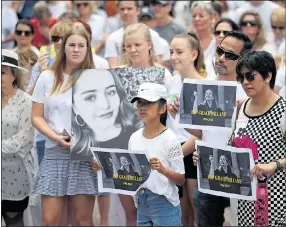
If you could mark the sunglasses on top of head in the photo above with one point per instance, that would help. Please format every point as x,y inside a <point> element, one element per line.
<point>229,55</point>
<point>249,76</point>
<point>26,33</point>
<point>218,32</point>
<point>85,4</point>
<point>252,23</point>
<point>56,39</point>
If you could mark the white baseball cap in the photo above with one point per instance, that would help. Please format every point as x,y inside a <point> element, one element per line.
<point>151,92</point>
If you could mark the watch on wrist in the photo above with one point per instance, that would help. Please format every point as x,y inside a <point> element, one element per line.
<point>279,165</point>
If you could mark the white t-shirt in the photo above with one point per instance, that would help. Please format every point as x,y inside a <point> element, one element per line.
<point>264,11</point>
<point>174,91</point>
<point>9,21</point>
<point>281,77</point>
<point>166,48</point>
<point>114,41</point>
<point>100,63</point>
<point>282,92</point>
<point>58,8</point>
<point>167,148</point>
<point>99,28</point>
<point>209,54</point>
<point>57,107</point>
<point>114,23</point>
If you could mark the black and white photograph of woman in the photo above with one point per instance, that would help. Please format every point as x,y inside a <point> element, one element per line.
<point>102,116</point>
<point>217,176</point>
<point>206,104</point>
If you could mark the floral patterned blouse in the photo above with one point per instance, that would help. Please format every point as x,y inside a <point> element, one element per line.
<point>17,143</point>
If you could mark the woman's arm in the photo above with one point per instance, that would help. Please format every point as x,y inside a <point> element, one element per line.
<point>266,169</point>
<point>189,146</point>
<point>21,142</point>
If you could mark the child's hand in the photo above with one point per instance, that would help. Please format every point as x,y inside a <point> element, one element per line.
<point>95,166</point>
<point>157,165</point>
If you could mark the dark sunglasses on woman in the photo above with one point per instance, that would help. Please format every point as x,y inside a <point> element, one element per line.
<point>229,55</point>
<point>56,39</point>
<point>277,27</point>
<point>26,33</point>
<point>218,32</point>
<point>249,76</point>
<point>85,4</point>
<point>252,23</point>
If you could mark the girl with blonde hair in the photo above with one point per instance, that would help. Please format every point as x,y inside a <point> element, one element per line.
<point>59,178</point>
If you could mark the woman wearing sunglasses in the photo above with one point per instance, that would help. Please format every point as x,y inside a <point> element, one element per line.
<point>221,28</point>
<point>251,24</point>
<point>262,120</point>
<point>24,35</point>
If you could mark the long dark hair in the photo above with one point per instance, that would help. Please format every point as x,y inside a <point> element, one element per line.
<point>83,135</point>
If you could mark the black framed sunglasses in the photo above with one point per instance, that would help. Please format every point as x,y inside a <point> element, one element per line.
<point>252,23</point>
<point>218,32</point>
<point>229,55</point>
<point>85,4</point>
<point>26,33</point>
<point>249,76</point>
<point>56,39</point>
<point>277,27</point>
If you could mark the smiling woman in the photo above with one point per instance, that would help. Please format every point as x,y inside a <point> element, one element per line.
<point>102,117</point>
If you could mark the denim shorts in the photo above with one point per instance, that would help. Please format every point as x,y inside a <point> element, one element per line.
<point>156,210</point>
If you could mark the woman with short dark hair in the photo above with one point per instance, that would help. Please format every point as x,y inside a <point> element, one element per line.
<point>261,126</point>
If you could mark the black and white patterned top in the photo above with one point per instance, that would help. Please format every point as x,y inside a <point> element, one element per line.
<point>132,78</point>
<point>17,142</point>
<point>266,136</point>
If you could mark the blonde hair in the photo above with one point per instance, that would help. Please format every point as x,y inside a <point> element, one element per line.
<point>260,39</point>
<point>279,14</point>
<point>28,55</point>
<point>19,78</point>
<point>60,64</point>
<point>61,28</point>
<point>145,31</point>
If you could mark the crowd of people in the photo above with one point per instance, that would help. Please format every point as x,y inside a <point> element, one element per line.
<point>44,42</point>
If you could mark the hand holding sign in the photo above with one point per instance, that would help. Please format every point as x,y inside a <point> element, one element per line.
<point>95,166</point>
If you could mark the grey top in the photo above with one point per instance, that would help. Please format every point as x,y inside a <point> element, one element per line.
<point>168,32</point>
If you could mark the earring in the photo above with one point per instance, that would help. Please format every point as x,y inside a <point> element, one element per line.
<point>76,120</point>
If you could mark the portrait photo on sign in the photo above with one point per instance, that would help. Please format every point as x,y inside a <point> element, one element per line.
<point>101,114</point>
<point>122,171</point>
<point>206,104</point>
<point>225,171</point>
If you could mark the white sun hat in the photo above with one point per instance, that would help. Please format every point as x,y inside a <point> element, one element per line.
<point>10,58</point>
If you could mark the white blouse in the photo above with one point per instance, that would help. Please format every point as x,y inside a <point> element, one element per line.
<point>17,142</point>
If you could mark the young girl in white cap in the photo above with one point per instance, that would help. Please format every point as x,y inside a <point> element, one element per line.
<point>157,199</point>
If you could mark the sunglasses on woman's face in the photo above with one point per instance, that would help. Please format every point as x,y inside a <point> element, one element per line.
<point>56,39</point>
<point>26,33</point>
<point>229,55</point>
<point>277,27</point>
<point>249,76</point>
<point>82,4</point>
<point>218,32</point>
<point>252,23</point>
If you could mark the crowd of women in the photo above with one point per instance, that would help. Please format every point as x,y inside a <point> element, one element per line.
<point>38,89</point>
